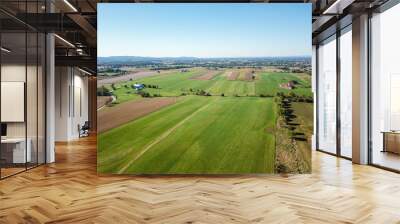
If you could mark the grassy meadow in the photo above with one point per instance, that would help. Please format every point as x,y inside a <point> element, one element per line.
<point>196,135</point>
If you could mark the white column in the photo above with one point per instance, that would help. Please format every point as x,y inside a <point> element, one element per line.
<point>314,90</point>
<point>360,90</point>
<point>50,98</point>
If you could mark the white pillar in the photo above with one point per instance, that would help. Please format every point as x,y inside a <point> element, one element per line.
<point>314,91</point>
<point>50,98</point>
<point>360,90</point>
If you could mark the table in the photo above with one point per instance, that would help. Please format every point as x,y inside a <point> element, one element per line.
<point>391,141</point>
<point>13,150</point>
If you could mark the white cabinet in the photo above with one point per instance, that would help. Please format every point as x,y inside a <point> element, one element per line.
<point>17,145</point>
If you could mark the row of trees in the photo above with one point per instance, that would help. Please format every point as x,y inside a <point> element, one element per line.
<point>199,92</point>
<point>290,96</point>
<point>114,87</point>
<point>151,86</point>
<point>147,94</point>
<point>287,113</point>
<point>293,97</point>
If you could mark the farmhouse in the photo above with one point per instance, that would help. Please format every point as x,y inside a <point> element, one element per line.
<point>288,85</point>
<point>138,86</point>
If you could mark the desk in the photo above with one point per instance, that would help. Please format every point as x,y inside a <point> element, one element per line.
<point>13,150</point>
<point>391,141</point>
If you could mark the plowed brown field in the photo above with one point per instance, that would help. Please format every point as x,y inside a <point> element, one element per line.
<point>206,76</point>
<point>233,75</point>
<point>113,117</point>
<point>248,76</point>
<point>103,100</point>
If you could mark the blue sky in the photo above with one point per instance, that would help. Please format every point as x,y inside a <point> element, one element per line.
<point>204,30</point>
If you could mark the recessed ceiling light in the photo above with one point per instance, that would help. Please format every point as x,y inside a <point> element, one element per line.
<point>5,50</point>
<point>70,5</point>
<point>64,40</point>
<point>338,6</point>
<point>86,72</point>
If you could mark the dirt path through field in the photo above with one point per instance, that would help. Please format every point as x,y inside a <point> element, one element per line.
<point>112,117</point>
<point>162,137</point>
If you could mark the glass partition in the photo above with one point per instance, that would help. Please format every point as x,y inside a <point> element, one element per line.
<point>327,95</point>
<point>14,153</point>
<point>385,89</point>
<point>22,101</point>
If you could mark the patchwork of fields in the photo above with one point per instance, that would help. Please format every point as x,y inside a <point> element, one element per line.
<point>176,84</point>
<point>220,122</point>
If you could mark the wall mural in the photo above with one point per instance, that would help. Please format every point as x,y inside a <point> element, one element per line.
<point>204,88</point>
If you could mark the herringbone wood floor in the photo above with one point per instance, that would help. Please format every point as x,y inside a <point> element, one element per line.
<point>70,191</point>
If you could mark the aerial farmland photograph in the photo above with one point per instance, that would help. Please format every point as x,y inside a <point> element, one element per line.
<point>204,88</point>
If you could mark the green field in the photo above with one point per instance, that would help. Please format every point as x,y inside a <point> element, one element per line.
<point>235,130</point>
<point>182,82</point>
<point>196,135</point>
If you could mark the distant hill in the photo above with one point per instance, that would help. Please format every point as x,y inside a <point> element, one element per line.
<point>157,60</point>
<point>128,59</point>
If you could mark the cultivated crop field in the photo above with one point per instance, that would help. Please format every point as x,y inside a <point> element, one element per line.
<point>206,122</point>
<point>178,83</point>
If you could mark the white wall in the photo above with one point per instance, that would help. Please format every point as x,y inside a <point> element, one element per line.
<point>62,82</point>
<point>33,126</point>
<point>17,73</point>
<point>13,101</point>
<point>71,94</point>
<point>80,110</point>
<point>9,73</point>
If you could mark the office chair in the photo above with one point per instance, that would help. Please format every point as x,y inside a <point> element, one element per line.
<point>84,130</point>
